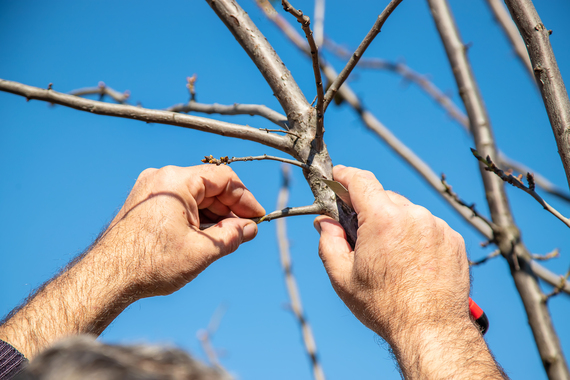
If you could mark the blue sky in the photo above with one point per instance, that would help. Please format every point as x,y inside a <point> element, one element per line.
<point>65,173</point>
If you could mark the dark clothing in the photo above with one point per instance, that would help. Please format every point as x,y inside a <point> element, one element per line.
<point>11,361</point>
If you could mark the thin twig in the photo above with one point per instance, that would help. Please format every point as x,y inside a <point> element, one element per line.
<point>305,22</point>
<point>449,190</point>
<point>205,336</point>
<point>376,28</point>
<point>314,209</point>
<point>517,182</point>
<point>280,131</point>
<point>563,281</point>
<point>506,22</point>
<point>102,89</point>
<point>148,115</point>
<point>233,109</point>
<point>555,253</point>
<point>291,283</point>
<point>495,253</point>
<point>226,161</point>
<point>191,86</point>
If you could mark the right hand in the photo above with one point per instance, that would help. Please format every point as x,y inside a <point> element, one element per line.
<point>408,271</point>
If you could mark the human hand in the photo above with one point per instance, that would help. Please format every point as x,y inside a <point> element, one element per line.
<point>156,235</point>
<point>408,272</point>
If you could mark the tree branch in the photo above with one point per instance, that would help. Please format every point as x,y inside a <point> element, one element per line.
<point>507,237</point>
<point>234,109</point>
<point>263,56</point>
<point>353,61</point>
<point>493,254</point>
<point>547,74</point>
<point>226,161</point>
<point>506,22</point>
<point>291,283</point>
<point>371,122</point>
<point>517,182</point>
<point>102,89</point>
<point>305,21</point>
<point>319,22</point>
<point>148,115</point>
<point>562,282</point>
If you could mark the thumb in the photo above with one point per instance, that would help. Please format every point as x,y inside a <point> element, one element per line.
<point>226,236</point>
<point>334,250</point>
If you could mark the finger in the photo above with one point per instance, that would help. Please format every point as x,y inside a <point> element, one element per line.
<point>221,182</point>
<point>334,250</point>
<point>216,207</point>
<point>365,190</point>
<point>225,237</point>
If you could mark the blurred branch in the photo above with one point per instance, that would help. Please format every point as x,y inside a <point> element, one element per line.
<point>506,22</point>
<point>305,22</point>
<point>233,109</point>
<point>548,256</point>
<point>507,238</point>
<point>319,31</point>
<point>226,161</point>
<point>291,283</point>
<point>371,122</point>
<point>517,182</point>
<point>148,115</point>
<point>205,336</point>
<point>495,253</point>
<point>103,90</point>
<point>353,61</point>
<point>562,283</point>
<point>546,73</point>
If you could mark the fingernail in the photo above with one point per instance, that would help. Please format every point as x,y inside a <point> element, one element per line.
<point>317,226</point>
<point>249,232</point>
<point>340,166</point>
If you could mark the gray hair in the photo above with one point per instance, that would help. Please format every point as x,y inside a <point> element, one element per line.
<point>85,358</point>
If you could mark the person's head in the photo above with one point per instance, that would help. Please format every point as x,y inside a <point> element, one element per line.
<point>85,358</point>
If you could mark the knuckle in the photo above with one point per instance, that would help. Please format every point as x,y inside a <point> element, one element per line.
<point>420,213</point>
<point>147,173</point>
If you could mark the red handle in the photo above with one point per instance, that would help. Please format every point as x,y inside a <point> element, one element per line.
<point>479,316</point>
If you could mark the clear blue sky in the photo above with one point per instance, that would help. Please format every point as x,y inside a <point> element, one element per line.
<point>65,173</point>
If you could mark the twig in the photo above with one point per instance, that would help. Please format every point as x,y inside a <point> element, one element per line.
<point>517,182</point>
<point>506,22</point>
<point>449,190</point>
<point>508,239</point>
<point>546,73</point>
<point>376,28</point>
<point>191,86</point>
<point>548,256</point>
<point>539,180</point>
<point>233,109</point>
<point>280,131</point>
<point>314,209</point>
<point>205,336</point>
<point>148,115</point>
<point>319,31</point>
<point>562,283</point>
<point>226,161</point>
<point>102,89</point>
<point>291,283</point>
<point>371,122</point>
<point>485,259</point>
<point>305,22</point>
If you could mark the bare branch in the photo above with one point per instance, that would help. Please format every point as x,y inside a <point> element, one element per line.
<point>540,181</point>
<point>504,19</point>
<point>205,336</point>
<point>148,115</point>
<point>548,276</point>
<point>226,161</point>
<point>547,74</point>
<point>558,288</point>
<point>449,190</point>
<point>280,131</point>
<point>305,21</point>
<point>548,256</point>
<point>102,89</point>
<point>376,28</point>
<point>517,182</point>
<point>319,31</point>
<point>508,238</point>
<point>493,254</point>
<point>291,283</point>
<point>262,54</point>
<point>234,109</point>
<point>314,209</point>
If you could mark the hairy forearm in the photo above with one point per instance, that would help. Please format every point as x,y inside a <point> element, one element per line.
<point>445,351</point>
<point>83,299</point>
